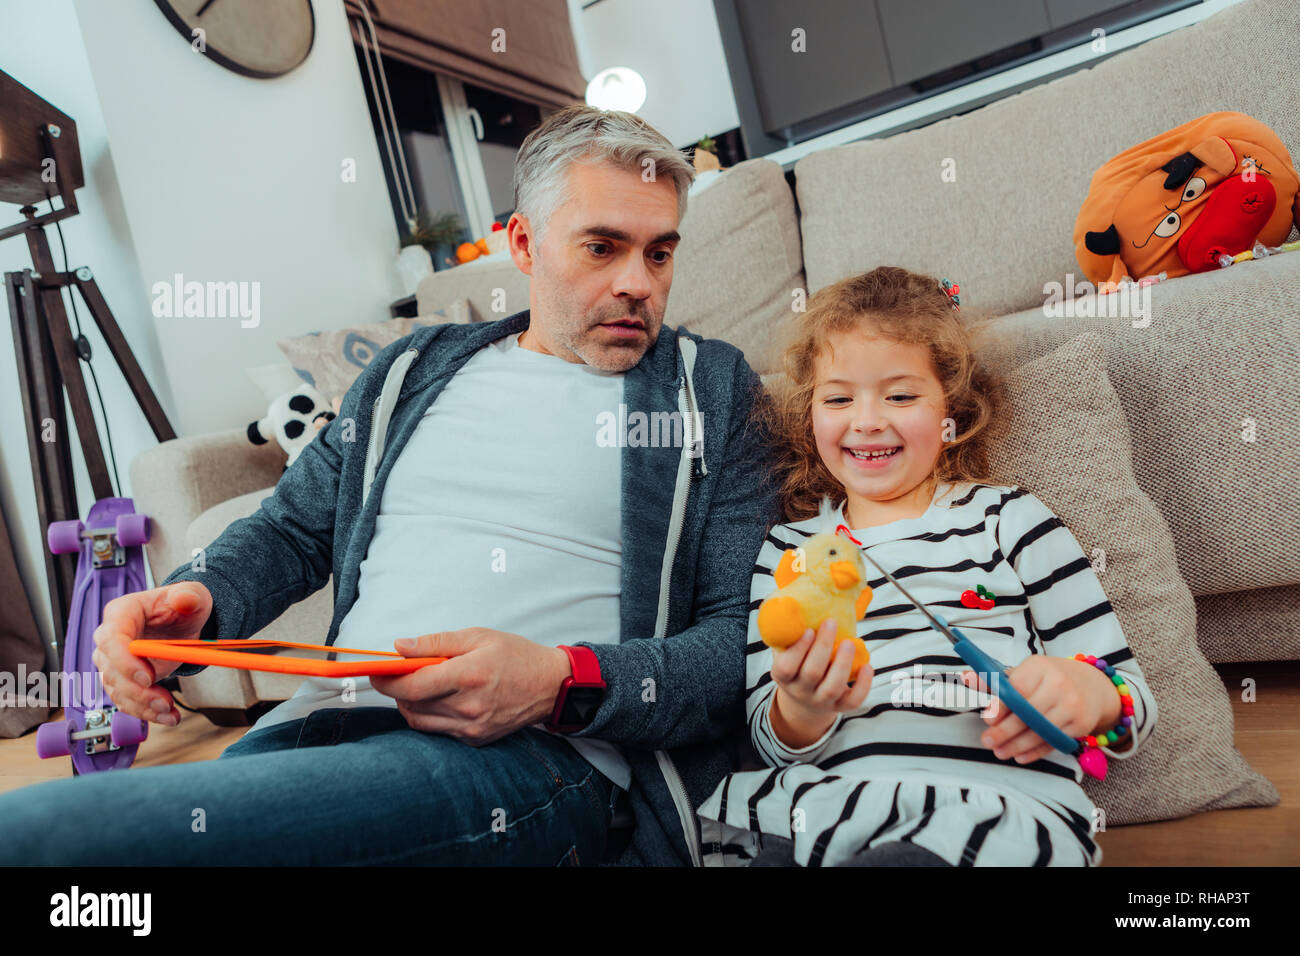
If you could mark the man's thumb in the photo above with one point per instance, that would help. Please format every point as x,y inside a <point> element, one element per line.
<point>184,598</point>
<point>426,645</point>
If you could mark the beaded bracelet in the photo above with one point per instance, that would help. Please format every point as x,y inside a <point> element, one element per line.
<point>1092,759</point>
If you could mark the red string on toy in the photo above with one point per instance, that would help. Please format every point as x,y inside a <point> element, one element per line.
<point>848,534</point>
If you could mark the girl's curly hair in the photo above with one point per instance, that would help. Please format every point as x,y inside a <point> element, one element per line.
<point>904,307</point>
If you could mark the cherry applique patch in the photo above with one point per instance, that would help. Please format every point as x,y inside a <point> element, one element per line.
<point>982,598</point>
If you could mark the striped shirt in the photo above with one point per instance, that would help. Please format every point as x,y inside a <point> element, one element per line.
<point>909,765</point>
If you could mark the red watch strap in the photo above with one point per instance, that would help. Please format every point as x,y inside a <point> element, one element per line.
<point>585,665</point>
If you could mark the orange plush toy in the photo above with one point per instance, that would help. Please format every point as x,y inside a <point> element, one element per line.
<point>826,578</point>
<point>1180,201</point>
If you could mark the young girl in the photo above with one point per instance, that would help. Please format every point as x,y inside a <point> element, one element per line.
<point>884,429</point>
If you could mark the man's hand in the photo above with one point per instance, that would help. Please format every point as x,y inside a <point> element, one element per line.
<point>175,611</point>
<point>493,684</point>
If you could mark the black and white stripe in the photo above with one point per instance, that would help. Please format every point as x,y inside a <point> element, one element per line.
<point>909,764</point>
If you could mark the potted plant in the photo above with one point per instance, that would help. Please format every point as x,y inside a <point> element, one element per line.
<point>705,157</point>
<point>439,235</point>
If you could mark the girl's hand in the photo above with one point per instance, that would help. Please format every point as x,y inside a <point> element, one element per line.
<point>1073,695</point>
<point>813,686</point>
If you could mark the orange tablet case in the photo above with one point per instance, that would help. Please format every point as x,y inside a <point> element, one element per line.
<point>198,651</point>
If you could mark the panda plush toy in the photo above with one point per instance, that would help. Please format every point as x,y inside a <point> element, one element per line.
<point>292,420</point>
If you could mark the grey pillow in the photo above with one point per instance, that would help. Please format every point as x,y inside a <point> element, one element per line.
<point>332,360</point>
<point>1063,437</point>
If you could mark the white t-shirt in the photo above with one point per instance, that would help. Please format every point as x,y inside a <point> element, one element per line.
<point>502,511</point>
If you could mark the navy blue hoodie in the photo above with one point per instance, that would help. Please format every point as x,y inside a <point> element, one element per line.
<point>694,516</point>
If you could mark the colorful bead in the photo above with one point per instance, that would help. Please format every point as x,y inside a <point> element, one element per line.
<point>1089,754</point>
<point>1093,763</point>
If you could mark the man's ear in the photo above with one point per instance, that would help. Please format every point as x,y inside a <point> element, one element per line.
<point>520,236</point>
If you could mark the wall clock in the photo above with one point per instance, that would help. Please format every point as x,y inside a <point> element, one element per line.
<point>258,38</point>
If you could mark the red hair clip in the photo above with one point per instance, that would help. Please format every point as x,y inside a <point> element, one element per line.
<point>951,289</point>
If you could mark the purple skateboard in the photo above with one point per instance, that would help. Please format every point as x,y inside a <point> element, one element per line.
<point>110,563</point>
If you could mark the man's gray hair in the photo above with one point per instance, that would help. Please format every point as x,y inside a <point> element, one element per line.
<point>586,134</point>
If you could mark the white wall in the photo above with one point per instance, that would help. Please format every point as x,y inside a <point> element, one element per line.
<point>676,47</point>
<point>210,174</point>
<point>227,178</point>
<point>40,47</point>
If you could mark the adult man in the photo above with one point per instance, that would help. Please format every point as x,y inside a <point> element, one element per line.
<point>477,511</point>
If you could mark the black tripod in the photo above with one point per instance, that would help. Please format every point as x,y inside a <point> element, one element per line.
<point>47,356</point>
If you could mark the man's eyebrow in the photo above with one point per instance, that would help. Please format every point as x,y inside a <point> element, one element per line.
<point>609,232</point>
<point>901,376</point>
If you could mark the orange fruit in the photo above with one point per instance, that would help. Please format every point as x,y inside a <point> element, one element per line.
<point>481,246</point>
<point>467,251</point>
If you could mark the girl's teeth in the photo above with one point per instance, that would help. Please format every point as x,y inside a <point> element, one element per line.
<point>873,455</point>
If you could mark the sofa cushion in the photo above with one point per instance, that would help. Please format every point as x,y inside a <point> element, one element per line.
<point>1002,225</point>
<point>739,262</point>
<point>1078,461</point>
<point>495,288</point>
<point>1260,625</point>
<point>332,359</point>
<point>1208,389</point>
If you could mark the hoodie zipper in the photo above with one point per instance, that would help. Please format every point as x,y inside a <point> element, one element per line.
<point>392,387</point>
<point>672,777</point>
<point>681,800</point>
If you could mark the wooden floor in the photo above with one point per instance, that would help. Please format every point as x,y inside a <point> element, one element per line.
<point>1267,734</point>
<point>194,738</point>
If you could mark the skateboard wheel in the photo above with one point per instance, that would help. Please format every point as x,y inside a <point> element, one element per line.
<point>52,739</point>
<point>132,529</point>
<point>127,730</point>
<point>64,537</point>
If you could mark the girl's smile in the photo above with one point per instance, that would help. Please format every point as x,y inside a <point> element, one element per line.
<point>872,457</point>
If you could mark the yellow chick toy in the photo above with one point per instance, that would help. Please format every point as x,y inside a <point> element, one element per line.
<point>827,577</point>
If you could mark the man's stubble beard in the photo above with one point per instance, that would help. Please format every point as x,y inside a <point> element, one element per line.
<point>578,336</point>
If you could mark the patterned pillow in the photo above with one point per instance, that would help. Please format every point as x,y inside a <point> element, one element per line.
<point>332,360</point>
<point>1064,437</point>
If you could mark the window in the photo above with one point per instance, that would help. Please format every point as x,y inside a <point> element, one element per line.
<point>459,143</point>
<point>500,124</point>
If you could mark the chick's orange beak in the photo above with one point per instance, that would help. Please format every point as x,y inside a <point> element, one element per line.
<point>844,574</point>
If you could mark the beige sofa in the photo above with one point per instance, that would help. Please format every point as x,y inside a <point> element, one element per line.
<point>1224,347</point>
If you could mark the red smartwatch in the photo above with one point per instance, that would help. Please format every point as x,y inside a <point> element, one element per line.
<point>581,694</point>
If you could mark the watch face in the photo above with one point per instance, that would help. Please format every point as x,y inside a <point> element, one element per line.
<point>581,704</point>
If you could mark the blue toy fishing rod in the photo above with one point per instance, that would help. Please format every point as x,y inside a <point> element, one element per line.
<point>986,664</point>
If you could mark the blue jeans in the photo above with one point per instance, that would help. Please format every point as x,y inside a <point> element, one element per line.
<point>341,786</point>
